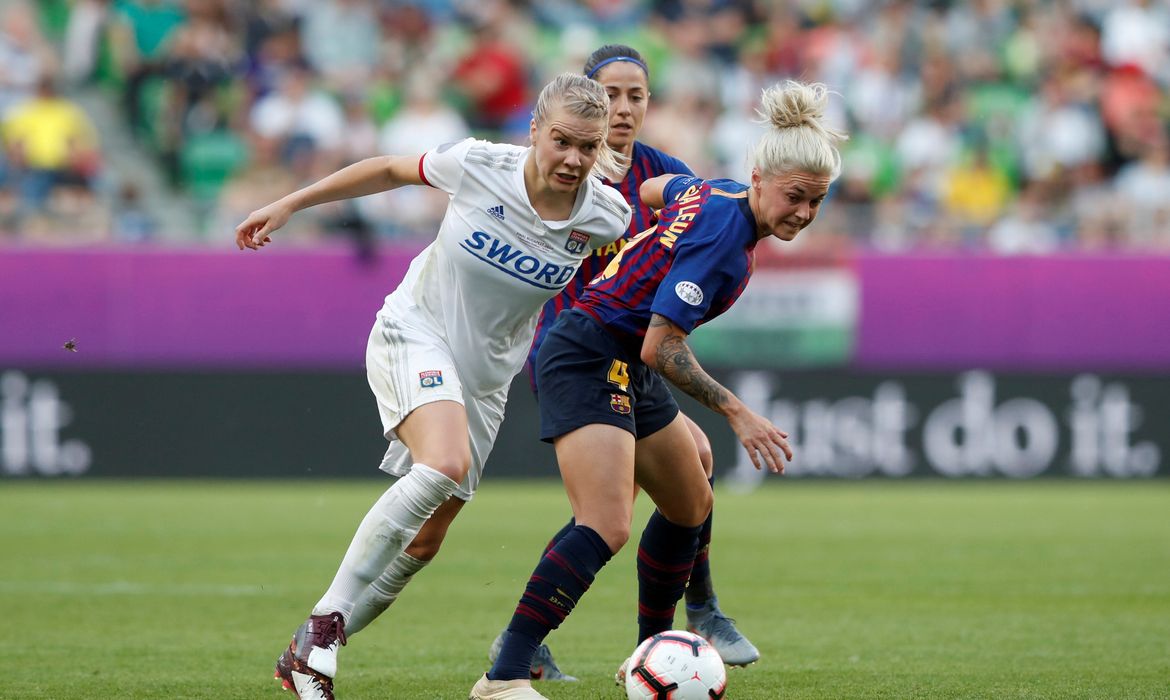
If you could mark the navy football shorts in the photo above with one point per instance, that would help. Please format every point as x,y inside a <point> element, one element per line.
<point>585,376</point>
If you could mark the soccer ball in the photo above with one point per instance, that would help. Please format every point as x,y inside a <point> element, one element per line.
<point>675,665</point>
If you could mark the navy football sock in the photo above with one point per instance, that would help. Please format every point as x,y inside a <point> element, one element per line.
<point>701,589</point>
<point>665,556</point>
<point>557,583</point>
<point>560,535</point>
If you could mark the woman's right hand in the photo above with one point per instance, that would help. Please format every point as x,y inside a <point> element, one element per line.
<point>765,443</point>
<point>256,230</point>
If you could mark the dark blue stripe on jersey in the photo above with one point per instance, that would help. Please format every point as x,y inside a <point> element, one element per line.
<point>642,213</point>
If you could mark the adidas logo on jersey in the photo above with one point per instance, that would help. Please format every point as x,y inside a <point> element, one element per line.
<point>497,211</point>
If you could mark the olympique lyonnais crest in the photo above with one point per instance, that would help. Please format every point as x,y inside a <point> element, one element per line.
<point>430,378</point>
<point>620,403</point>
<point>577,242</point>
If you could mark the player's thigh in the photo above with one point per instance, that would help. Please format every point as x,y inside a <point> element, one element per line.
<point>419,393</point>
<point>436,435</point>
<point>667,468</point>
<point>703,443</point>
<point>597,466</point>
<point>484,416</point>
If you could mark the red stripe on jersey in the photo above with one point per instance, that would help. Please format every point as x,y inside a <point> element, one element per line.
<point>644,277</point>
<point>423,176</point>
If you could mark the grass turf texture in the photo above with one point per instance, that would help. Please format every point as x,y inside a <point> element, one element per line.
<point>851,590</point>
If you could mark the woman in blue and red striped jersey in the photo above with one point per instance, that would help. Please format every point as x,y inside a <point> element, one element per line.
<point>625,77</point>
<point>603,366</point>
<point>623,73</point>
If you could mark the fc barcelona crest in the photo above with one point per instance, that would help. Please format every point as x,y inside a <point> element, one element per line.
<point>620,403</point>
<point>430,378</point>
<point>577,242</point>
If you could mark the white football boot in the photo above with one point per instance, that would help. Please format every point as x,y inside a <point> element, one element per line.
<point>521,689</point>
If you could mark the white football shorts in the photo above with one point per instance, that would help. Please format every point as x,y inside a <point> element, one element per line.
<point>409,365</point>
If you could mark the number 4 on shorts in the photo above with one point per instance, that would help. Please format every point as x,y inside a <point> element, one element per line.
<point>619,375</point>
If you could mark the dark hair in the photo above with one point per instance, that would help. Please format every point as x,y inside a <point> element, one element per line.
<point>609,54</point>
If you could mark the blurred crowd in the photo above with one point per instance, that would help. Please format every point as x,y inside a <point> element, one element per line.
<point>1026,126</point>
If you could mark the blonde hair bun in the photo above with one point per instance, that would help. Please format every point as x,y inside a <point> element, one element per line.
<point>798,138</point>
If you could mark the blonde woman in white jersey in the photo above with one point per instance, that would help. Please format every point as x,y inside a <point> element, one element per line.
<point>449,340</point>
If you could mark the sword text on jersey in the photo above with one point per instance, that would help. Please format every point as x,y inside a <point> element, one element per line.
<point>517,262</point>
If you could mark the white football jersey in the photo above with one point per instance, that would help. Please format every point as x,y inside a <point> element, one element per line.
<point>483,281</point>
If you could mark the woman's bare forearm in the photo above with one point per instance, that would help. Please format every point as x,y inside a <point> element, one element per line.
<point>676,362</point>
<point>368,176</point>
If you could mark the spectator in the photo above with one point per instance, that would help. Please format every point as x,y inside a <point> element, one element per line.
<point>1144,185</point>
<point>262,20</point>
<point>680,124</point>
<point>881,98</point>
<point>84,34</point>
<point>1131,105</point>
<point>202,55</point>
<point>341,41</point>
<point>1057,132</point>
<point>1069,98</point>
<point>138,36</point>
<point>1137,32</point>
<point>274,54</point>
<point>50,143</point>
<point>1092,217</point>
<point>930,144</point>
<point>780,47</point>
<point>1025,231</point>
<point>732,135</point>
<point>359,132</point>
<point>25,54</point>
<point>689,68</point>
<point>423,122</point>
<point>493,78</point>
<point>302,118</point>
<point>975,194</point>
<point>130,221</point>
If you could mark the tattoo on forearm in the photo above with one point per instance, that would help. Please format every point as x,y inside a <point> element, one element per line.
<point>677,363</point>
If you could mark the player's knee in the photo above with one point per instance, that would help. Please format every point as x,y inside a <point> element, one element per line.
<point>615,535</point>
<point>430,537</point>
<point>424,548</point>
<point>691,512</point>
<point>703,503</point>
<point>705,457</point>
<point>703,443</point>
<point>453,465</point>
<point>707,503</point>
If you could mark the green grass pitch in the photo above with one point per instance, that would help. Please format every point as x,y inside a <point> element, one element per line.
<point>851,590</point>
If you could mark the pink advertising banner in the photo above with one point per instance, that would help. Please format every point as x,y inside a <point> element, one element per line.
<point>290,309</point>
<point>1028,313</point>
<point>138,308</point>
